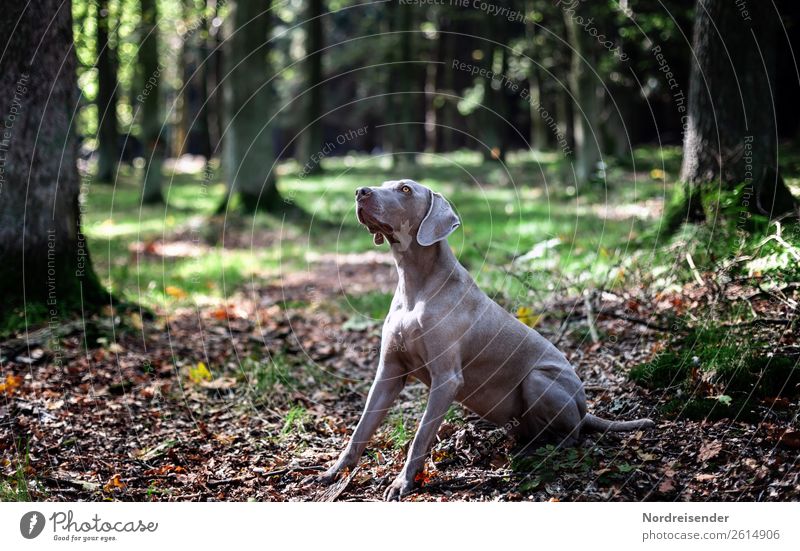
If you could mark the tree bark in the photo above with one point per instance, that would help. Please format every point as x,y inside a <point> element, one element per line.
<point>402,83</point>
<point>583,84</point>
<point>150,98</point>
<point>108,138</point>
<point>249,157</point>
<point>730,136</point>
<point>311,138</point>
<point>43,254</point>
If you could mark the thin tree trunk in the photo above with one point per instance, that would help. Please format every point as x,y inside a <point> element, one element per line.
<point>399,102</point>
<point>538,134</point>
<point>249,102</point>
<point>43,254</point>
<point>204,119</point>
<point>150,96</point>
<point>216,104</point>
<point>731,136</point>
<point>494,100</point>
<point>311,138</point>
<point>108,138</point>
<point>583,84</point>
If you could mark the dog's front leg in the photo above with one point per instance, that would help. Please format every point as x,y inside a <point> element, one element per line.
<point>445,385</point>
<point>389,381</point>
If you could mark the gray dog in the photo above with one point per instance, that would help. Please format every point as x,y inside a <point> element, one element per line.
<point>443,330</point>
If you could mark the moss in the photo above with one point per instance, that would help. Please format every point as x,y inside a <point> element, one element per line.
<point>664,370</point>
<point>719,375</point>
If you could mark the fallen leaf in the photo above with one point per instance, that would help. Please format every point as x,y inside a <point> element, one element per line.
<point>114,482</point>
<point>423,477</point>
<point>221,383</point>
<point>11,383</point>
<point>199,373</point>
<point>175,292</point>
<point>709,451</point>
<point>528,317</point>
<point>667,485</point>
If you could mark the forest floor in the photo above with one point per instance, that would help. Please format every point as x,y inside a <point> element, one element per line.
<point>248,395</point>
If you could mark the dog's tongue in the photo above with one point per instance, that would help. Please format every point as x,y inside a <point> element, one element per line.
<point>377,238</point>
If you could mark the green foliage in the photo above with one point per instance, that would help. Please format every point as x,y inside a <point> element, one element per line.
<point>16,487</point>
<point>713,373</point>
<point>548,463</point>
<point>400,435</point>
<point>264,376</point>
<point>295,420</point>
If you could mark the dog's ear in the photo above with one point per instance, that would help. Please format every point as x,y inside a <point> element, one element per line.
<point>440,221</point>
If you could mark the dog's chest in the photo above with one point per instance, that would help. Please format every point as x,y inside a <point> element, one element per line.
<point>405,328</point>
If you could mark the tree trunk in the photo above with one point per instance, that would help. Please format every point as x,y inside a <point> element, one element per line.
<point>539,132</point>
<point>108,139</point>
<point>150,97</point>
<point>731,136</point>
<point>311,138</point>
<point>249,103</point>
<point>399,102</point>
<point>215,108</point>
<point>43,254</point>
<point>583,84</point>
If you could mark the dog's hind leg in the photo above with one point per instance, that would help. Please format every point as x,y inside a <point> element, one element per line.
<point>552,414</point>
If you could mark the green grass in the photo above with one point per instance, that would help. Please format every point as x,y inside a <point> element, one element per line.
<point>295,420</point>
<point>505,210</point>
<point>715,373</point>
<point>399,433</point>
<point>17,486</point>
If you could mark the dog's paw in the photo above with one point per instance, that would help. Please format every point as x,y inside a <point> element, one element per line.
<point>398,489</point>
<point>328,477</point>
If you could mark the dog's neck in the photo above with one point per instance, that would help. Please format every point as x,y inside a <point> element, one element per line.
<point>419,267</point>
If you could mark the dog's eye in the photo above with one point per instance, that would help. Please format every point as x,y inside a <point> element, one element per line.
<point>405,189</point>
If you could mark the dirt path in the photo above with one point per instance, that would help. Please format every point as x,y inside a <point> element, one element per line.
<point>108,417</point>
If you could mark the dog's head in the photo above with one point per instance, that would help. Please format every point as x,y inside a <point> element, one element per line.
<point>402,210</point>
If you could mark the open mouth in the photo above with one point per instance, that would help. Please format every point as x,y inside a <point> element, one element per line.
<point>375,226</point>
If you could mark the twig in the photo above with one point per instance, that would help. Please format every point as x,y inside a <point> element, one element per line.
<point>697,277</point>
<point>213,483</point>
<point>759,321</point>
<point>333,493</point>
<point>781,241</point>
<point>587,301</point>
<point>648,324</point>
<point>289,470</point>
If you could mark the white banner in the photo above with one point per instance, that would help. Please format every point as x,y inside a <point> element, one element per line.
<point>350,526</point>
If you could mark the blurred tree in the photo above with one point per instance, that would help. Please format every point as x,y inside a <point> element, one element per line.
<point>108,138</point>
<point>495,105</point>
<point>584,85</point>
<point>214,72</point>
<point>403,82</point>
<point>731,137</point>
<point>535,49</point>
<point>194,132</point>
<point>150,96</point>
<point>43,255</point>
<point>311,136</point>
<point>249,158</point>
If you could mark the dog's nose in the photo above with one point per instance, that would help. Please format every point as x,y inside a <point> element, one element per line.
<point>363,192</point>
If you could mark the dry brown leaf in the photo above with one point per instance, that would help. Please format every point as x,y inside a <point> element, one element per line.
<point>11,383</point>
<point>114,482</point>
<point>709,451</point>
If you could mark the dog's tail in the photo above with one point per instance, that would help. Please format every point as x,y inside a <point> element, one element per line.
<point>594,423</point>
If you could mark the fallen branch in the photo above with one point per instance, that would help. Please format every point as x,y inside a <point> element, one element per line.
<point>333,493</point>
